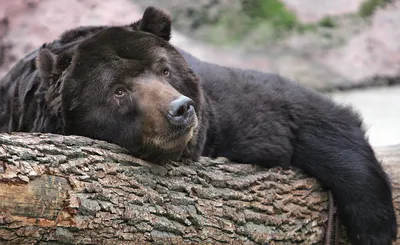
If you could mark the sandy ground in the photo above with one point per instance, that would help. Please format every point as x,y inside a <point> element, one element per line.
<point>380,108</point>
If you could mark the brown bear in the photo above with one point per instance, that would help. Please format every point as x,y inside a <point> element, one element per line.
<point>128,85</point>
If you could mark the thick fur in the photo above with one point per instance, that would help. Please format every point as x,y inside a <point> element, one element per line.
<point>244,115</point>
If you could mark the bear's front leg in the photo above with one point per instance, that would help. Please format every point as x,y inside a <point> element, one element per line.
<point>342,159</point>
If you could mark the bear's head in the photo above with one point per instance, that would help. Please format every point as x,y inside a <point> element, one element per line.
<point>130,87</point>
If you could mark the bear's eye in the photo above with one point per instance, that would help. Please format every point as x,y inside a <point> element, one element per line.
<point>119,92</point>
<point>166,72</point>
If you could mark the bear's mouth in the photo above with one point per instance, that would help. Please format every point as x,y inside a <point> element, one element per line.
<point>171,144</point>
<point>186,128</point>
<point>178,136</point>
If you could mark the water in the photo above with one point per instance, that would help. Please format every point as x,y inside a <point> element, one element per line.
<point>380,108</point>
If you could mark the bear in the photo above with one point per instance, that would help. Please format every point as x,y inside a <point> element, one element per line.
<point>129,86</point>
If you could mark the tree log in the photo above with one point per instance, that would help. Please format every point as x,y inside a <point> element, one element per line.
<point>74,190</point>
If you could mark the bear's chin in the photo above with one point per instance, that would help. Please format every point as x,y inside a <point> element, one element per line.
<point>162,149</point>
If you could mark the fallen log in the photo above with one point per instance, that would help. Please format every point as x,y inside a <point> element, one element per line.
<point>74,190</point>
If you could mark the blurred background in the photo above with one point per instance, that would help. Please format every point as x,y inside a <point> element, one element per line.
<point>347,49</point>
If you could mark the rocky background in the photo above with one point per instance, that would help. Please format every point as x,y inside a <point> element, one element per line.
<point>328,45</point>
<point>322,43</point>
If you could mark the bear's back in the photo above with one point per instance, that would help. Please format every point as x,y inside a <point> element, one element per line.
<point>17,96</point>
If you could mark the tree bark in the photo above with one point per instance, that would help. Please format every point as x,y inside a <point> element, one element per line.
<point>73,190</point>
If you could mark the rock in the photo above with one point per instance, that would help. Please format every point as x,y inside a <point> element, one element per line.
<point>221,55</point>
<point>355,53</point>
<point>309,11</point>
<point>373,53</point>
<point>190,15</point>
<point>26,25</point>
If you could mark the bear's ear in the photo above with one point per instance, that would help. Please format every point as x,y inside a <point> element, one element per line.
<point>51,66</point>
<point>45,62</point>
<point>157,22</point>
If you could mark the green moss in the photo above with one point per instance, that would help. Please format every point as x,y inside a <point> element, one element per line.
<point>327,22</point>
<point>369,7</point>
<point>258,22</point>
<point>261,19</point>
<point>271,11</point>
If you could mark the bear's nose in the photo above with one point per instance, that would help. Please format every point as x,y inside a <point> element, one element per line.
<point>180,110</point>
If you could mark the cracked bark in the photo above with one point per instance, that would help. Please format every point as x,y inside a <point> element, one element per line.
<point>59,189</point>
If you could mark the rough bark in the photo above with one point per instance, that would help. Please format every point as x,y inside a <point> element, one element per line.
<point>74,190</point>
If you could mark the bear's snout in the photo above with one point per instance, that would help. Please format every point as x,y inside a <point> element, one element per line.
<point>181,111</point>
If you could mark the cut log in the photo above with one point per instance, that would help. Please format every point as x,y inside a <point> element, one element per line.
<point>75,190</point>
